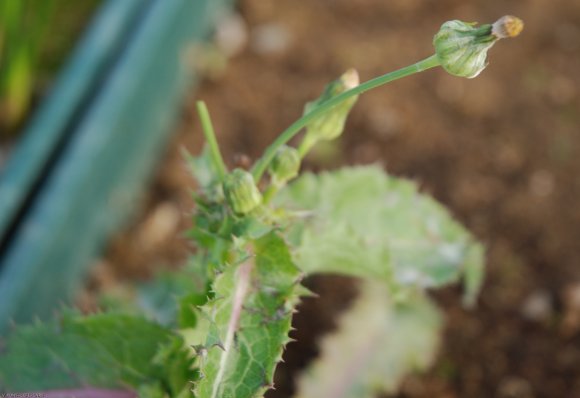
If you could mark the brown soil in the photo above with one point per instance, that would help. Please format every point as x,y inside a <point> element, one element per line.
<point>502,151</point>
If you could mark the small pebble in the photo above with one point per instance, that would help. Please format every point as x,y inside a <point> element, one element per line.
<point>384,122</point>
<point>571,301</point>
<point>231,34</point>
<point>159,226</point>
<point>538,307</point>
<point>270,39</point>
<point>515,387</point>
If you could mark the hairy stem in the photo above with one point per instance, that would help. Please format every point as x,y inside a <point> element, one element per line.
<point>242,285</point>
<point>209,134</point>
<point>261,165</point>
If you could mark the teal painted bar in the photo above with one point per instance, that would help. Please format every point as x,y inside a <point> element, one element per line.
<point>105,163</point>
<point>45,132</point>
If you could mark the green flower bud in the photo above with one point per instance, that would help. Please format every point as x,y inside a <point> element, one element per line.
<point>461,47</point>
<point>241,192</point>
<point>285,165</point>
<point>331,124</point>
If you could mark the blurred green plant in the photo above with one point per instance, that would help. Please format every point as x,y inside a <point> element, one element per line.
<point>224,331</point>
<point>23,26</point>
<point>35,36</point>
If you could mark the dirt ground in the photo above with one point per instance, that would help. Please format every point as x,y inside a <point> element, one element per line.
<point>502,151</point>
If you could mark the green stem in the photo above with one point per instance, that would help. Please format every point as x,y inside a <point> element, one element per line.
<point>269,193</point>
<point>209,134</point>
<point>305,146</point>
<point>261,165</point>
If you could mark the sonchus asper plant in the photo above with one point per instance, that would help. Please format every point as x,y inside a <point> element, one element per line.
<point>217,328</point>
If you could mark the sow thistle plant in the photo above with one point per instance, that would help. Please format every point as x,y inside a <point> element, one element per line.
<point>218,327</point>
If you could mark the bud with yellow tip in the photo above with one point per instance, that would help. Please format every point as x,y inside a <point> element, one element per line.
<point>330,125</point>
<point>507,26</point>
<point>461,47</point>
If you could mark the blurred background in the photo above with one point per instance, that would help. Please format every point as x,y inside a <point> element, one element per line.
<point>501,150</point>
<point>36,37</point>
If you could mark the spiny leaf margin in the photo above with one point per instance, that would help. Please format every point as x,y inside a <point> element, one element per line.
<point>101,350</point>
<point>263,326</point>
<point>364,223</point>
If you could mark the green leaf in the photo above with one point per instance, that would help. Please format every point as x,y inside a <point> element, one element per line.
<point>176,364</point>
<point>376,344</point>
<point>250,316</point>
<point>168,299</point>
<point>151,391</point>
<point>105,350</point>
<point>368,224</point>
<point>203,169</point>
<point>473,275</point>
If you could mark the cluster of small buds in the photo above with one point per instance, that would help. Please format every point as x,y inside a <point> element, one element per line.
<point>461,47</point>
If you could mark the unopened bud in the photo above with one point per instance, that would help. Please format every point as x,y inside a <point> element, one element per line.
<point>241,192</point>
<point>285,165</point>
<point>507,26</point>
<point>461,47</point>
<point>331,124</point>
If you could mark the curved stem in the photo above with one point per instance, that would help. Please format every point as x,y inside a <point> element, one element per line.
<point>209,134</point>
<point>261,165</point>
<point>305,146</point>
